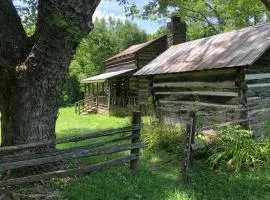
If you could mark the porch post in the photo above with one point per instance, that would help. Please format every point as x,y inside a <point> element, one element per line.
<point>85,91</point>
<point>97,93</point>
<point>109,93</point>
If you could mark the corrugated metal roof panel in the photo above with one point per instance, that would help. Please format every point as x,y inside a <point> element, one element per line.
<point>235,48</point>
<point>105,76</point>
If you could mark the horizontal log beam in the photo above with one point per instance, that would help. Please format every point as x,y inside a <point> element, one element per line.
<point>257,76</point>
<point>201,104</point>
<point>206,93</point>
<point>258,85</point>
<point>225,84</point>
<point>119,59</point>
<point>68,172</point>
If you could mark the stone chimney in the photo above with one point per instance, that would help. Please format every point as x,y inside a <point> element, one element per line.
<point>177,31</point>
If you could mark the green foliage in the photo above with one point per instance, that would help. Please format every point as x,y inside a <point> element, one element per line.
<point>236,149</point>
<point>163,137</point>
<point>160,32</point>
<point>206,18</point>
<point>71,92</point>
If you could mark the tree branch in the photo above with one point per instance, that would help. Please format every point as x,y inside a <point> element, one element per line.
<point>204,16</point>
<point>61,25</point>
<point>12,35</point>
<point>217,15</point>
<point>13,45</point>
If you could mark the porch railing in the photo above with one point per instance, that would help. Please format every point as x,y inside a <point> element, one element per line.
<point>122,102</point>
<point>85,104</point>
<point>104,102</point>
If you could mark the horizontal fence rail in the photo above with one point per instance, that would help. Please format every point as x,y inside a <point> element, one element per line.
<point>68,172</point>
<point>79,138</point>
<point>16,157</point>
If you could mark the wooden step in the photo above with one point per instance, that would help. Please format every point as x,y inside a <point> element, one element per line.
<point>89,111</point>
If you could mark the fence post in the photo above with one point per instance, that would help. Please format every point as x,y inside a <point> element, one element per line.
<point>190,137</point>
<point>136,135</point>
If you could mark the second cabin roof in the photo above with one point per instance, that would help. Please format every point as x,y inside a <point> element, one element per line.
<point>132,50</point>
<point>231,49</point>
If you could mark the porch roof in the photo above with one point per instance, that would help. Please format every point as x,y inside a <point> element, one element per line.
<point>105,76</point>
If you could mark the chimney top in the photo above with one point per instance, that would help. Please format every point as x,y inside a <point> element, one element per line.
<point>176,31</point>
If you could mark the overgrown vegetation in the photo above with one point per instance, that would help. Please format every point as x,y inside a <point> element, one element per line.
<point>235,148</point>
<point>159,137</point>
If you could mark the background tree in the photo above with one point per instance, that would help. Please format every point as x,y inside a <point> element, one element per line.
<point>206,18</point>
<point>107,39</point>
<point>33,69</point>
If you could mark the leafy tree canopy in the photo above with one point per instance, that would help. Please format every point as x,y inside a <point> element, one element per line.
<point>205,18</point>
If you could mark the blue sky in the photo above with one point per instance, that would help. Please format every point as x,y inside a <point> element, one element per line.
<point>112,8</point>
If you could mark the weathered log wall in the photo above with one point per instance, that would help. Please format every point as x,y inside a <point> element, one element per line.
<point>143,91</point>
<point>133,86</point>
<point>138,59</point>
<point>258,93</point>
<point>150,52</point>
<point>122,63</point>
<point>216,95</point>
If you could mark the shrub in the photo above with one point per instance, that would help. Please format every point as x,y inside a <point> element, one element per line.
<point>236,149</point>
<point>163,137</point>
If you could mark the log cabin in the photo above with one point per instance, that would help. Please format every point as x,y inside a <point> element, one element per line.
<point>225,78</point>
<point>117,91</point>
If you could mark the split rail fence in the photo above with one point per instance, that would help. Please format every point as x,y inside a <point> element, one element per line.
<point>111,142</point>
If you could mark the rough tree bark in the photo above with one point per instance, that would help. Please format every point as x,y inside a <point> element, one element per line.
<point>32,70</point>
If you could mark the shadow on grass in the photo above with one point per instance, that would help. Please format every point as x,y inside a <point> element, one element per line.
<point>74,132</point>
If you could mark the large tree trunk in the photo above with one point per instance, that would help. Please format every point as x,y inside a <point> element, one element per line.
<point>31,82</point>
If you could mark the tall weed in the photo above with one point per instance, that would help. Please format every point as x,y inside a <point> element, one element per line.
<point>236,149</point>
<point>163,137</point>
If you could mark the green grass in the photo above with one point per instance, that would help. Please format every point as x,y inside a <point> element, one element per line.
<point>68,123</point>
<point>158,177</point>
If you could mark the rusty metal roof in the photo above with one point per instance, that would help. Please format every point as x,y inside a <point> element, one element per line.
<point>103,77</point>
<point>231,49</point>
<point>132,49</point>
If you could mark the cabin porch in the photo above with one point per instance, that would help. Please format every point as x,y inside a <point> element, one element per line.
<point>108,97</point>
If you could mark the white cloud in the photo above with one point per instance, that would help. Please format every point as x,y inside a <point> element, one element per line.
<point>111,9</point>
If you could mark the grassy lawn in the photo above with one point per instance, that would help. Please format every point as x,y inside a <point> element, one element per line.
<point>158,177</point>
